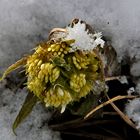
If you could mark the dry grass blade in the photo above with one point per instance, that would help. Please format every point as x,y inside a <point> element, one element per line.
<point>110,113</point>
<point>122,115</point>
<point>57,30</point>
<point>79,123</point>
<point>119,97</point>
<point>13,67</point>
<point>113,78</point>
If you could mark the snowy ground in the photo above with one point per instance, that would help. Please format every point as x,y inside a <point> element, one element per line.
<point>24,23</point>
<point>33,128</point>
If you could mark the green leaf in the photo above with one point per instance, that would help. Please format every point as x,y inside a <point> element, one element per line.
<point>26,108</point>
<point>58,61</point>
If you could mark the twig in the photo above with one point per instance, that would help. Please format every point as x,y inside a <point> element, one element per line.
<point>79,123</point>
<point>112,133</point>
<point>58,30</point>
<point>122,115</point>
<point>109,113</point>
<point>113,78</point>
<point>119,97</point>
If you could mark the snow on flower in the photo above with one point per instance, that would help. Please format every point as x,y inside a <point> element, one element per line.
<point>83,39</point>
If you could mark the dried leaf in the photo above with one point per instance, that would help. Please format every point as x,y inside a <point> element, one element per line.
<point>13,67</point>
<point>109,60</point>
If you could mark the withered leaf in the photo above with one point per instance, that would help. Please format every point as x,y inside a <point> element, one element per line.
<point>109,59</point>
<point>15,66</point>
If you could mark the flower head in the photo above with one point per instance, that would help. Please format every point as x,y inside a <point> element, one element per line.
<point>62,71</point>
<point>58,76</point>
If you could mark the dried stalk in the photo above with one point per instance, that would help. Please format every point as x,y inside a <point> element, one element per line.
<point>110,101</point>
<point>113,78</point>
<point>122,115</point>
<point>79,123</point>
<point>110,113</point>
<point>57,30</point>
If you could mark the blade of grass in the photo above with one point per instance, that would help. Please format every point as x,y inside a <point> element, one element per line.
<point>26,108</point>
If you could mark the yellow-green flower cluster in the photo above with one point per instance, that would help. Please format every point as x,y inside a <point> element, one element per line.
<point>59,49</point>
<point>80,62</point>
<point>36,86</point>
<point>77,81</point>
<point>57,97</point>
<point>58,75</point>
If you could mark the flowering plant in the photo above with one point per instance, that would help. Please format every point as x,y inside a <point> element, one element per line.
<point>64,69</point>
